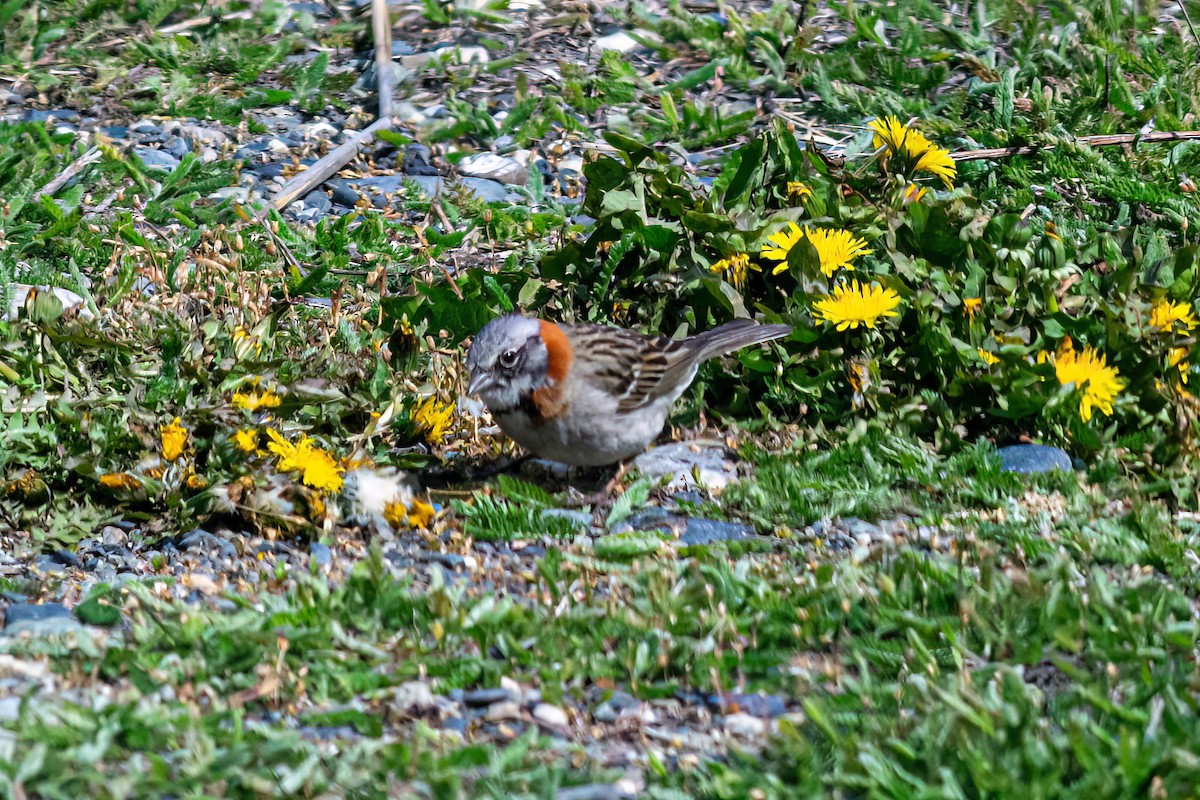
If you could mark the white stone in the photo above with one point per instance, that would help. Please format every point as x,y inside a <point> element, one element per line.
<point>745,726</point>
<point>620,41</point>
<point>552,716</point>
<point>451,55</point>
<point>70,301</point>
<point>493,167</point>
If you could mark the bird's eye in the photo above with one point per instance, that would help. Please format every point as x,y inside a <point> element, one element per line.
<point>508,359</point>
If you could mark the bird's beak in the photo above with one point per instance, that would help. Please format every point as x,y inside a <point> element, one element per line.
<point>479,382</point>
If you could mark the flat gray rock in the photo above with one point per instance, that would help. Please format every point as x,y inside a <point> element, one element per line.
<point>1031,459</point>
<point>46,619</point>
<point>701,532</point>
<point>682,461</point>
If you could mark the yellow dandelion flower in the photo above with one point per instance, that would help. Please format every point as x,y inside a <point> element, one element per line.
<point>434,418</point>
<point>1166,314</point>
<point>971,306</point>
<point>890,133</point>
<point>988,358</point>
<point>417,514</point>
<point>174,439</point>
<point>244,342</point>
<point>195,480</point>
<point>120,480</point>
<point>913,193</point>
<point>246,440</point>
<point>898,139</point>
<point>937,162</point>
<point>1087,370</point>
<point>836,249</point>
<point>854,305</point>
<point>1178,358</point>
<point>737,266</point>
<point>317,467</point>
<point>799,190</point>
<point>784,241</point>
<point>252,401</point>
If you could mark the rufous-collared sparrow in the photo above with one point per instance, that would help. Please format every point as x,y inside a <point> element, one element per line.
<point>591,395</point>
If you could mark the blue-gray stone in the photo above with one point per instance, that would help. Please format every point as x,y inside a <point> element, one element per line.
<point>711,531</point>
<point>45,619</point>
<point>156,159</point>
<point>321,554</point>
<point>343,193</point>
<point>53,115</point>
<point>477,698</point>
<point>489,191</point>
<point>756,705</point>
<point>417,159</point>
<point>1029,459</point>
<point>177,146</point>
<point>319,201</point>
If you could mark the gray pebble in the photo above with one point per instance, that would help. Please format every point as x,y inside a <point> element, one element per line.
<point>321,554</point>
<point>318,201</point>
<point>1028,459</point>
<point>710,531</point>
<point>156,159</point>
<point>46,619</point>
<point>477,698</point>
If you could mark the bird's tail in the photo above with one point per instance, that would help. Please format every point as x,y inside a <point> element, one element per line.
<point>734,336</point>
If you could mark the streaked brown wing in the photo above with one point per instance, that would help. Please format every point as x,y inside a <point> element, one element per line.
<point>633,367</point>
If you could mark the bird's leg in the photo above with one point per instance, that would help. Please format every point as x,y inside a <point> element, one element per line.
<point>604,495</point>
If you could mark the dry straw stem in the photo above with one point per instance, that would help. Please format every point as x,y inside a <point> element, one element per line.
<point>1102,140</point>
<point>74,168</point>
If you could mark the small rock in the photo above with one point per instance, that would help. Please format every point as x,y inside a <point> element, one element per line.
<point>682,460</point>
<point>864,532</point>
<point>55,115</point>
<point>1029,459</point>
<point>145,126</point>
<point>66,558</point>
<point>71,301</point>
<point>709,531</point>
<point>418,160</point>
<point>156,159</point>
<point>756,705</point>
<point>343,193</point>
<point>320,554</point>
<point>744,725</point>
<point>321,130</point>
<point>46,619</point>
<point>478,698</point>
<point>487,190</point>
<point>177,147</point>
<point>10,709</point>
<point>504,710</point>
<point>493,167</point>
<point>611,709</point>
<point>620,41</point>
<point>414,696</point>
<point>48,565</point>
<point>551,716</point>
<point>318,200</point>
<point>451,55</point>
